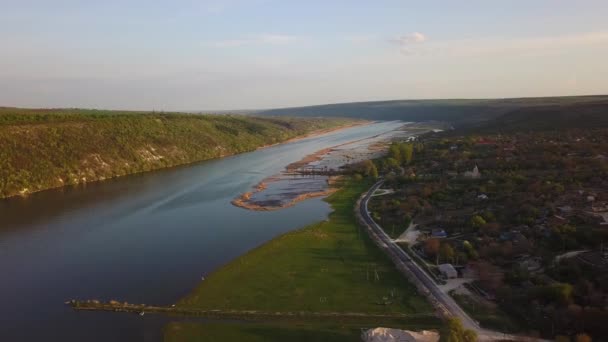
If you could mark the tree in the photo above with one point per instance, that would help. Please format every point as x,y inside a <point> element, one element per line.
<point>457,333</point>
<point>446,252</point>
<point>490,276</point>
<point>406,152</point>
<point>477,221</point>
<point>368,168</point>
<point>583,338</point>
<point>394,152</point>
<point>470,250</point>
<point>431,247</point>
<point>392,163</point>
<point>373,171</point>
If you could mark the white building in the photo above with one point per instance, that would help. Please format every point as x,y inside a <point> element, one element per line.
<point>473,174</point>
<point>448,271</point>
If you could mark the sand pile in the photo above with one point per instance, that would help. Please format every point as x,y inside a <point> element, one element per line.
<point>391,335</point>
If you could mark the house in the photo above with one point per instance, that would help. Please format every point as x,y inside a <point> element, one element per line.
<point>531,264</point>
<point>439,233</point>
<point>599,207</point>
<point>506,236</point>
<point>484,141</point>
<point>475,174</point>
<point>565,210</point>
<point>448,271</point>
<point>556,221</point>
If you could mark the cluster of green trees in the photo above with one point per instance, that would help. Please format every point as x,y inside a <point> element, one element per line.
<point>457,333</point>
<point>41,149</point>
<point>399,154</point>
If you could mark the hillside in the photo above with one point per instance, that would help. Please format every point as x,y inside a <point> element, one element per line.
<point>463,112</point>
<point>543,118</point>
<point>42,149</point>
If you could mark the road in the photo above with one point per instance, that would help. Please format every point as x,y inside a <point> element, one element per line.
<point>443,299</point>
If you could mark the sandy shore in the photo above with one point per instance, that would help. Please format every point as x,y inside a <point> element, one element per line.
<point>243,202</point>
<point>311,158</point>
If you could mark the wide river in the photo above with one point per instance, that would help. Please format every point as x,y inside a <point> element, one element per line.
<point>146,238</point>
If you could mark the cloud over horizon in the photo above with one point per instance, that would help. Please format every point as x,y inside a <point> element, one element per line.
<point>406,41</point>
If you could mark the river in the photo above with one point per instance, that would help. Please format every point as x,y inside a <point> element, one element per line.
<point>146,238</point>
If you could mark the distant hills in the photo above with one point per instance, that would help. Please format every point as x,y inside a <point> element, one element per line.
<point>49,148</point>
<point>553,117</point>
<point>465,113</point>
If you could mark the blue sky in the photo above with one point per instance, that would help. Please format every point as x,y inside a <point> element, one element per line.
<point>230,54</point>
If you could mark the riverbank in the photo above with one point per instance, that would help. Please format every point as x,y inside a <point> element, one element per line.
<point>145,239</point>
<point>317,133</point>
<point>314,174</point>
<point>52,148</point>
<point>331,266</point>
<point>244,200</point>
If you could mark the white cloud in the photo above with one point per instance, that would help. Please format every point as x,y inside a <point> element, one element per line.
<point>258,39</point>
<point>408,39</point>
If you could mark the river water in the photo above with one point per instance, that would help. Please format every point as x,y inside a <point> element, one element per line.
<point>145,238</point>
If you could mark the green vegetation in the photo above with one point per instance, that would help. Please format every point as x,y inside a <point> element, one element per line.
<point>456,332</point>
<point>583,115</point>
<point>463,112</point>
<point>330,266</point>
<point>42,149</point>
<point>253,332</point>
<point>488,314</point>
<point>523,215</point>
<point>400,154</point>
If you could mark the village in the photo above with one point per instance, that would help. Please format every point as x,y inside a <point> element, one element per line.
<point>513,226</point>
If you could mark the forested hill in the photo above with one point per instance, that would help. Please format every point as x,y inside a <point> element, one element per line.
<point>42,149</point>
<point>460,113</point>
<point>542,118</point>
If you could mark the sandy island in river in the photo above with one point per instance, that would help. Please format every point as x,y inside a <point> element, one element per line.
<point>294,184</point>
<point>243,201</point>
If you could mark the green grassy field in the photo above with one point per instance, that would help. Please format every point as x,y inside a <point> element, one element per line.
<point>253,332</point>
<point>330,266</point>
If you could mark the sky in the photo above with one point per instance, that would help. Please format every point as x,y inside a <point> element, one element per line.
<point>250,54</point>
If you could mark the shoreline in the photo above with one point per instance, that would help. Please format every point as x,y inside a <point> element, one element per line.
<point>242,201</point>
<point>312,134</point>
<point>316,133</point>
<point>220,289</point>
